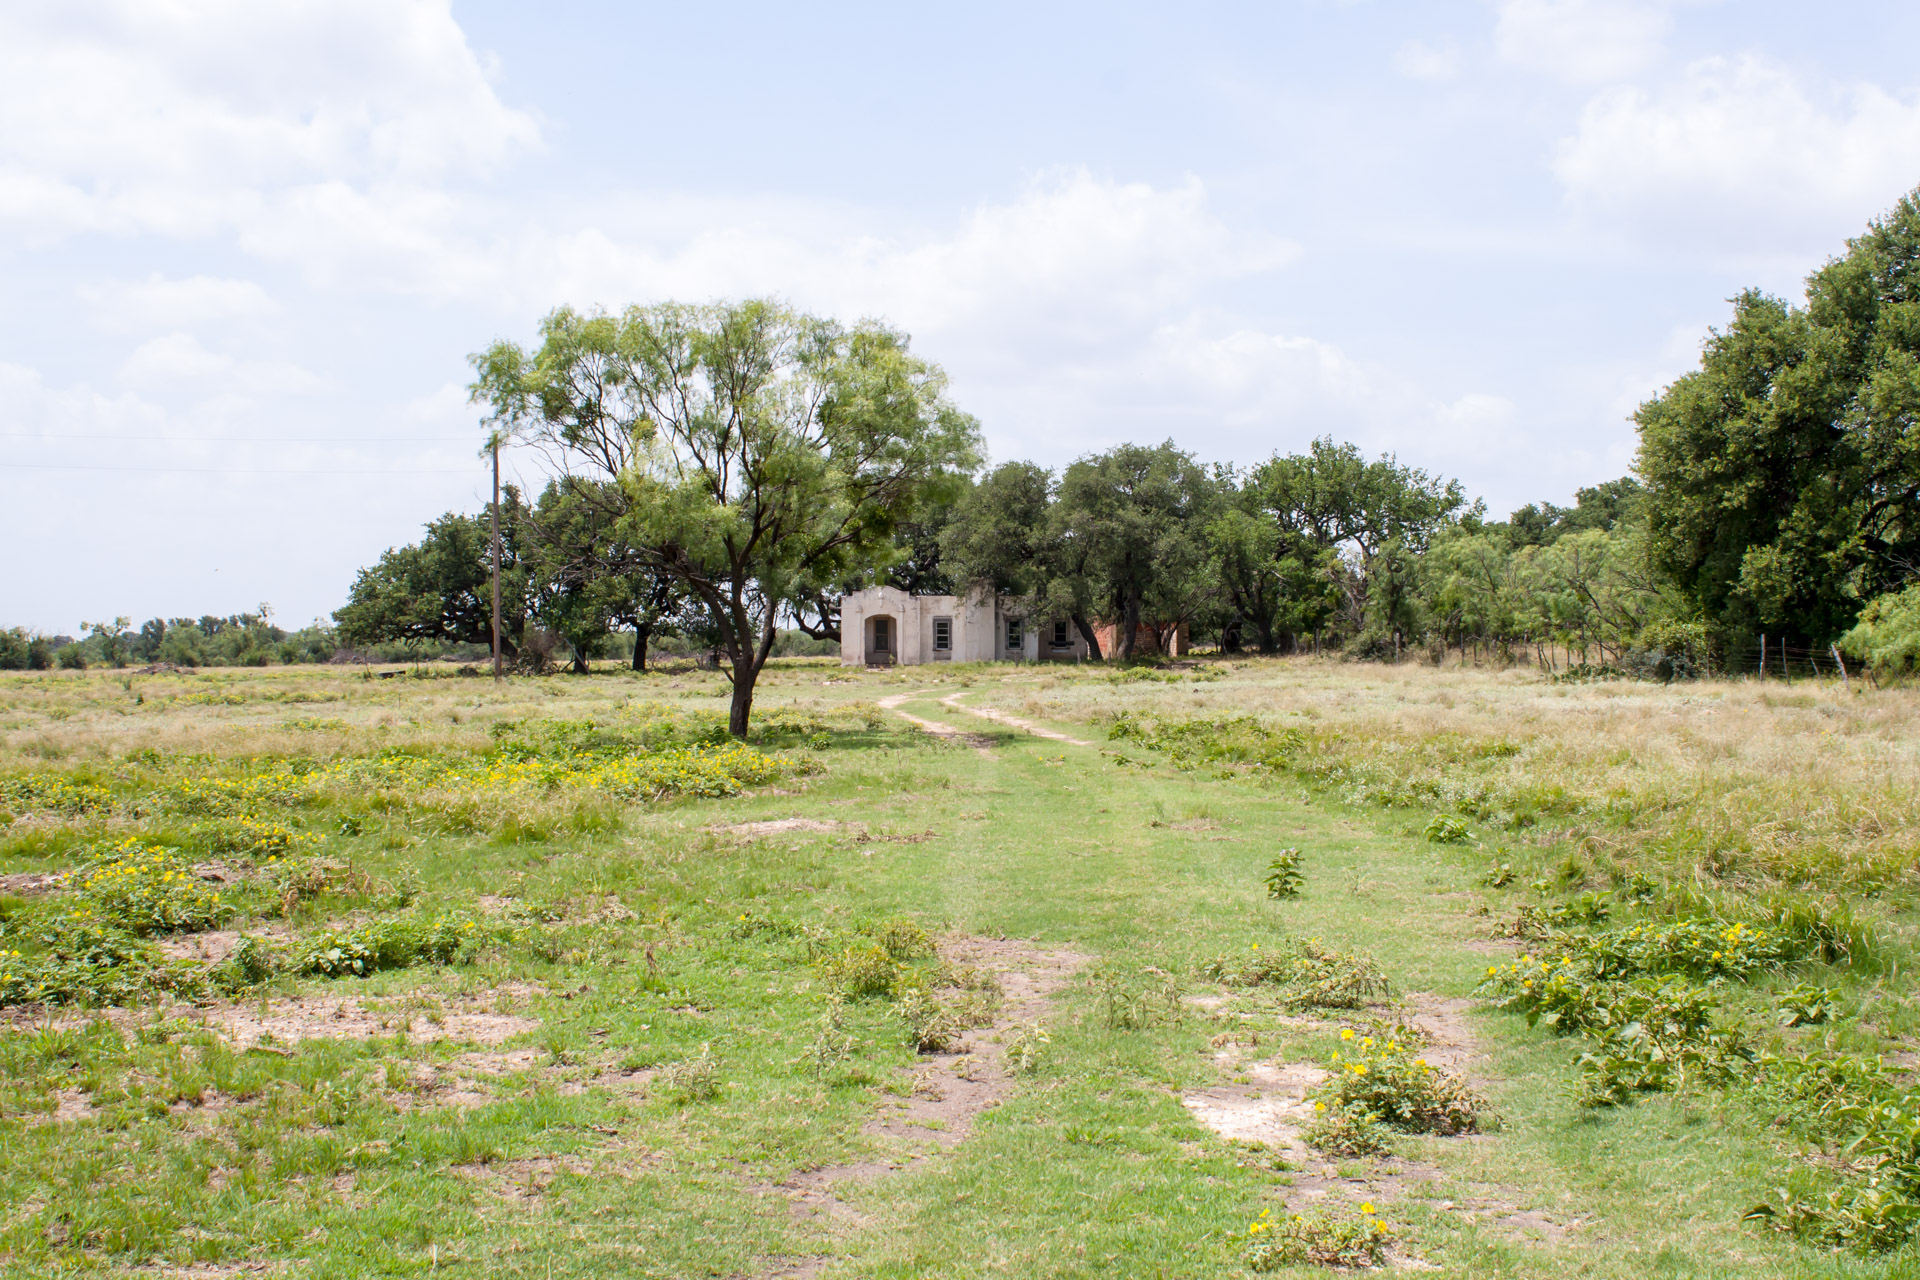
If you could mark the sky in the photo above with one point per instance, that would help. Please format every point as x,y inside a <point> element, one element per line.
<point>247,246</point>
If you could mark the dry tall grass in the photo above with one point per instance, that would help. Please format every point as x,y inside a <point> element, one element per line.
<point>1809,785</point>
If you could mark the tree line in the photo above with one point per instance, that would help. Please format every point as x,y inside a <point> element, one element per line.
<point>235,640</point>
<point>724,474</point>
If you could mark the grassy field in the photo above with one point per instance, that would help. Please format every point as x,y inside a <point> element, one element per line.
<point>325,975</point>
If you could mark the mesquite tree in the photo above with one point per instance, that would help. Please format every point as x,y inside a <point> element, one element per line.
<point>756,452</point>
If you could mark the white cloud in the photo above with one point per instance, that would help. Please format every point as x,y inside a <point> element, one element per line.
<point>160,303</point>
<point>179,362</point>
<point>1738,153</point>
<point>183,117</point>
<point>1418,60</point>
<point>1582,41</point>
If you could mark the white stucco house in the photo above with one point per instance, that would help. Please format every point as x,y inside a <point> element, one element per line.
<point>884,626</point>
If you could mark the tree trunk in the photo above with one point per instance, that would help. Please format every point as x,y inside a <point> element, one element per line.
<point>1263,635</point>
<point>640,637</point>
<point>741,712</point>
<point>1230,637</point>
<point>1085,628</point>
<point>747,665</point>
<point>1129,626</point>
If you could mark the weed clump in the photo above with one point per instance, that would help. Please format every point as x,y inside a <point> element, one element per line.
<point>146,889</point>
<point>1027,1048</point>
<point>1284,877</point>
<point>1341,1130</point>
<point>1323,1238</point>
<point>862,969</point>
<point>85,961</point>
<point>1209,741</point>
<point>396,942</point>
<point>933,1025</point>
<point>689,1080</point>
<point>1313,975</point>
<point>1383,1080</point>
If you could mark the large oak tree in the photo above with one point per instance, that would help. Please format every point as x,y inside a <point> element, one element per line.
<point>756,452</point>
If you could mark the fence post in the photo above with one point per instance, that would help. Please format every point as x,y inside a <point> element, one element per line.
<point>1763,655</point>
<point>1841,663</point>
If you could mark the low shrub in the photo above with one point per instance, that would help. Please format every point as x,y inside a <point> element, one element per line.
<point>1348,1131</point>
<point>1702,948</point>
<point>147,889</point>
<point>253,839</point>
<point>863,969</point>
<point>394,942</point>
<point>1384,1080</point>
<point>1209,741</point>
<point>87,962</point>
<point>1806,1005</point>
<point>933,1025</point>
<point>1313,975</point>
<point>50,793</point>
<point>1323,1238</point>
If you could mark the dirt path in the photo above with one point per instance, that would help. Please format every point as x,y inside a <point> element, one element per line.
<point>1012,722</point>
<point>979,742</point>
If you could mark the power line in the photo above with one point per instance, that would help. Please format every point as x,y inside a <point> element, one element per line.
<point>244,471</point>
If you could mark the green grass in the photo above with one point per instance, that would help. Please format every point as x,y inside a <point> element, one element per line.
<point>324,1157</point>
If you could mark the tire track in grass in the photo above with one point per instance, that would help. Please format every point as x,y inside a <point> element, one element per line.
<point>1012,722</point>
<point>979,742</point>
<point>949,1090</point>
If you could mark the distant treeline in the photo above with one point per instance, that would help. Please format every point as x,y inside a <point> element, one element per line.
<point>250,640</point>
<point>237,640</point>
<point>732,471</point>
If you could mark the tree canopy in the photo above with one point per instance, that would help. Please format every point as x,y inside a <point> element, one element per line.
<point>1783,475</point>
<point>754,453</point>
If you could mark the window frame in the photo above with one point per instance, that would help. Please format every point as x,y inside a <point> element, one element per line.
<point>943,635</point>
<point>1062,636</point>
<point>1016,635</point>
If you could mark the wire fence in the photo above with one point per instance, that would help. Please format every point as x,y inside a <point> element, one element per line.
<point>1778,660</point>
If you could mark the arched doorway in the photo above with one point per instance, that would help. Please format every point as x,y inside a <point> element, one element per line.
<point>883,640</point>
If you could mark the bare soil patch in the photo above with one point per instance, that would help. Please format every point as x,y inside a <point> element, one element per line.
<point>1271,1109</point>
<point>28,883</point>
<point>774,827</point>
<point>1451,1045</point>
<point>332,1018</point>
<point>215,945</point>
<point>70,1105</point>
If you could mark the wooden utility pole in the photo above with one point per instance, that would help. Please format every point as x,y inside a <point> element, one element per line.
<point>496,559</point>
